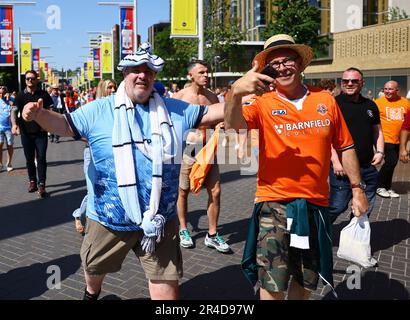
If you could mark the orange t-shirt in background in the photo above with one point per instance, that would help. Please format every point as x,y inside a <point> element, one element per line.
<point>294,158</point>
<point>391,117</point>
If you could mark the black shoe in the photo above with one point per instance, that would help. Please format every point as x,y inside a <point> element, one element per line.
<point>89,296</point>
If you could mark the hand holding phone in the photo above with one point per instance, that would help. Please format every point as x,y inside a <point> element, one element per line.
<point>270,71</point>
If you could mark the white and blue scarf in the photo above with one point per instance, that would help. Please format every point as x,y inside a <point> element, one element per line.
<point>163,147</point>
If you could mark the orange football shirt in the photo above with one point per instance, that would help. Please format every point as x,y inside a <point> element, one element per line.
<point>391,117</point>
<point>294,157</point>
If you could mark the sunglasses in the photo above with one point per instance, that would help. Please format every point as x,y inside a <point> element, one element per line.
<point>353,81</point>
<point>31,78</point>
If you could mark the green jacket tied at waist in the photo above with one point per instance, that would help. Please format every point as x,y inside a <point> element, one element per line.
<point>297,210</point>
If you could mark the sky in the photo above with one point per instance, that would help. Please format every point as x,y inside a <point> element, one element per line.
<point>78,17</point>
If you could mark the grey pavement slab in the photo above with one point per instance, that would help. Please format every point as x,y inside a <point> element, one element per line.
<point>36,235</point>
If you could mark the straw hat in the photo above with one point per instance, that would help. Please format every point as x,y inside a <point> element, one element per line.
<point>283,41</point>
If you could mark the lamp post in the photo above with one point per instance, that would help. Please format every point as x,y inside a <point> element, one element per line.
<point>200,30</point>
<point>88,84</point>
<point>19,33</point>
<point>127,4</point>
<point>112,49</point>
<point>18,3</point>
<point>43,82</point>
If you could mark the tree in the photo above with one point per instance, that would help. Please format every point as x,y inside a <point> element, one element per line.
<point>9,75</point>
<point>395,13</point>
<point>300,20</point>
<point>222,34</point>
<point>220,37</point>
<point>176,53</point>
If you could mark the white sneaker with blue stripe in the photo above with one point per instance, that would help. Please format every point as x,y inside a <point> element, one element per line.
<point>185,239</point>
<point>216,242</point>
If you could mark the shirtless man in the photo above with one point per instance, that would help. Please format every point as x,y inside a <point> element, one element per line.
<point>197,93</point>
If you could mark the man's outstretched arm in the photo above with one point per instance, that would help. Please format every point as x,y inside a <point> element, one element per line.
<point>50,121</point>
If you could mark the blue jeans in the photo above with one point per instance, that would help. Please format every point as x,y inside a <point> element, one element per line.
<point>341,191</point>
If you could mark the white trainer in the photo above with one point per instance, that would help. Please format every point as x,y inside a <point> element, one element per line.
<point>185,239</point>
<point>393,194</point>
<point>382,192</point>
<point>217,242</point>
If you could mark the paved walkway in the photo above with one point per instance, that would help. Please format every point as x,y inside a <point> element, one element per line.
<point>38,235</point>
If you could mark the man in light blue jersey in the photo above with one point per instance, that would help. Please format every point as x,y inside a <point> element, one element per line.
<point>136,141</point>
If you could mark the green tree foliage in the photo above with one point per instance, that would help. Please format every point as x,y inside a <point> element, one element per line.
<point>176,52</point>
<point>222,34</point>
<point>8,76</point>
<point>395,13</point>
<point>300,20</point>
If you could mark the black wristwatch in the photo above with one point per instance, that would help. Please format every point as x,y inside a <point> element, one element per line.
<point>360,185</point>
<point>381,152</point>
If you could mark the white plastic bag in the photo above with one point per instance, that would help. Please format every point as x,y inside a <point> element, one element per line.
<point>354,242</point>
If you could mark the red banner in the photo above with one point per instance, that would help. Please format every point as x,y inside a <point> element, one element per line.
<point>46,72</point>
<point>36,61</point>
<point>6,36</point>
<point>97,62</point>
<point>126,31</point>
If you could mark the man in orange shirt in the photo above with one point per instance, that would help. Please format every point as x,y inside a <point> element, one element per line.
<point>404,138</point>
<point>392,110</point>
<point>289,233</point>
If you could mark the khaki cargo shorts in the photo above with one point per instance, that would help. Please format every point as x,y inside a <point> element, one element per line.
<point>188,161</point>
<point>276,260</point>
<point>104,250</point>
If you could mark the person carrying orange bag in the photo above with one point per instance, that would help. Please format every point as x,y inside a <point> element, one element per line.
<point>204,160</point>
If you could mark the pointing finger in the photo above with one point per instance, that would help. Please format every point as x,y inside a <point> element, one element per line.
<point>255,66</point>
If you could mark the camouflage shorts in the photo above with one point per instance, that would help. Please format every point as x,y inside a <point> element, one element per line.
<point>277,261</point>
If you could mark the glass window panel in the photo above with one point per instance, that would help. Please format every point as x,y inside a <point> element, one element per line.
<point>368,86</point>
<point>402,81</point>
<point>379,85</point>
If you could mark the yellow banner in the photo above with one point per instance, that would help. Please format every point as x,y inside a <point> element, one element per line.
<point>82,76</point>
<point>25,53</point>
<point>106,53</point>
<point>90,70</point>
<point>50,75</point>
<point>42,69</point>
<point>184,18</point>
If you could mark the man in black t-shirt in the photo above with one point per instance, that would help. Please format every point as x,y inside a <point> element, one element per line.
<point>363,120</point>
<point>33,137</point>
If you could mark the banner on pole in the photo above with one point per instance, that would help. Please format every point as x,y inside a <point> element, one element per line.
<point>126,31</point>
<point>86,71</point>
<point>6,36</point>
<point>97,62</point>
<point>25,53</point>
<point>36,60</point>
<point>46,72</point>
<point>106,53</point>
<point>42,69</point>
<point>184,19</point>
<point>90,70</point>
<point>82,75</point>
